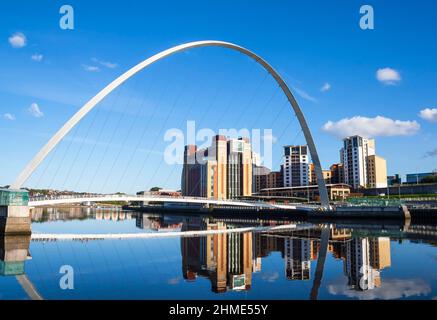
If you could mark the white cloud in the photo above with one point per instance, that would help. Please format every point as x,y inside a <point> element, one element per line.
<point>388,76</point>
<point>326,87</point>
<point>270,276</point>
<point>391,289</point>
<point>18,40</point>
<point>174,281</point>
<point>371,127</point>
<point>303,94</point>
<point>9,116</point>
<point>106,64</point>
<point>90,68</point>
<point>429,114</point>
<point>35,111</point>
<point>37,57</point>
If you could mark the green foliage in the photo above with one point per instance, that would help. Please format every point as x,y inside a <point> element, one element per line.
<point>154,189</point>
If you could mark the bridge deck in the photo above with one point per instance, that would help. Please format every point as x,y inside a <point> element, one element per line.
<point>38,202</point>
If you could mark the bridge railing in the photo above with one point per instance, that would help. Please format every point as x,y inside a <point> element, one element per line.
<point>121,196</point>
<point>139,198</point>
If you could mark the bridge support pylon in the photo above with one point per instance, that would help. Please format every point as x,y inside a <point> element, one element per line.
<point>14,212</point>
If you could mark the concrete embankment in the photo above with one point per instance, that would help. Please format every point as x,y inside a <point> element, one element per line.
<point>350,213</point>
<point>389,213</point>
<point>228,212</point>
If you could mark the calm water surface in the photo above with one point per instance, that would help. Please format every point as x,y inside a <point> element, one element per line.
<point>363,262</point>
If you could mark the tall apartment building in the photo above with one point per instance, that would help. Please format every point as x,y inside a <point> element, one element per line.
<point>296,168</point>
<point>217,171</point>
<point>239,168</point>
<point>354,155</point>
<point>222,171</point>
<point>193,182</point>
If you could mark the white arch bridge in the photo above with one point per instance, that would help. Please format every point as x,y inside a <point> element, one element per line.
<point>71,123</point>
<point>152,198</point>
<point>91,104</point>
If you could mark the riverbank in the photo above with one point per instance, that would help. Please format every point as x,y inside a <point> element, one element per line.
<point>358,213</point>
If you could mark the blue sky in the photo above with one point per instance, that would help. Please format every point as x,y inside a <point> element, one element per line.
<point>47,77</point>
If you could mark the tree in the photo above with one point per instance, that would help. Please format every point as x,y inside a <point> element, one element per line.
<point>155,189</point>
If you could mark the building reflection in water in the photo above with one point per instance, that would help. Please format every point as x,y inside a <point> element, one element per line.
<point>365,258</point>
<point>228,260</point>
<point>44,214</point>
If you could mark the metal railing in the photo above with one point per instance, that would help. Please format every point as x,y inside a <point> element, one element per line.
<point>151,197</point>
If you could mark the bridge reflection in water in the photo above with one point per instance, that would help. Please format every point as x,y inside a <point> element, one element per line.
<point>230,259</point>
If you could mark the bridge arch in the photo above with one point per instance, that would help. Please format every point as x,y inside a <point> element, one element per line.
<point>51,144</point>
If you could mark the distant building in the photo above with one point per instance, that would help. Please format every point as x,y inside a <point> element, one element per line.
<point>362,168</point>
<point>354,153</point>
<point>239,168</point>
<point>394,180</point>
<point>312,177</point>
<point>295,166</point>
<point>327,175</point>
<point>194,181</point>
<point>417,177</point>
<point>256,164</point>
<point>376,172</point>
<point>222,171</point>
<point>337,173</point>
<point>335,192</point>
<point>258,178</point>
<point>267,179</point>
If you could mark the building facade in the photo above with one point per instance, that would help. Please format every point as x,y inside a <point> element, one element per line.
<point>267,179</point>
<point>239,168</point>
<point>417,177</point>
<point>376,172</point>
<point>336,192</point>
<point>354,155</point>
<point>312,177</point>
<point>337,173</point>
<point>222,171</point>
<point>327,175</point>
<point>296,166</point>
<point>362,168</point>
<point>394,180</point>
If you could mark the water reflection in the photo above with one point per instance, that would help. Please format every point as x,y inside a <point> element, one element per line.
<point>14,251</point>
<point>80,213</point>
<point>231,261</point>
